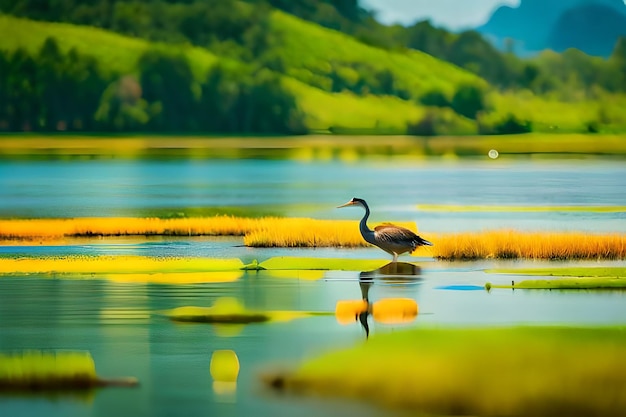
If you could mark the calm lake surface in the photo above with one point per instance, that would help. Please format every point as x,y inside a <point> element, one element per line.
<point>393,187</point>
<point>120,323</point>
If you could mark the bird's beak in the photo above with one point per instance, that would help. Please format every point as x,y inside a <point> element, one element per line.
<point>349,203</point>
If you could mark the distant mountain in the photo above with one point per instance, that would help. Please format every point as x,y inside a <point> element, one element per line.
<point>580,28</point>
<point>558,24</point>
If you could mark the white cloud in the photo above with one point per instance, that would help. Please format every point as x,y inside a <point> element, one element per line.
<point>453,14</point>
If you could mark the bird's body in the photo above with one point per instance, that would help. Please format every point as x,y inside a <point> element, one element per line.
<point>394,240</point>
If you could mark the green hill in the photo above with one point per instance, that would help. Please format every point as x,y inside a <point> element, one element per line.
<point>323,109</point>
<point>320,56</point>
<point>337,82</point>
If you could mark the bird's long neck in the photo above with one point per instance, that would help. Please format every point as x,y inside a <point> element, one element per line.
<point>366,232</point>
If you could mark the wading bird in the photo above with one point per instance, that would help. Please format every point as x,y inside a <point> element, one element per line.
<point>394,240</point>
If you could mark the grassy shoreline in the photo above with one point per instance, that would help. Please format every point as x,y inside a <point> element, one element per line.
<point>34,145</point>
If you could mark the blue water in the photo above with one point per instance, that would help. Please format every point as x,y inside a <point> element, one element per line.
<point>393,188</point>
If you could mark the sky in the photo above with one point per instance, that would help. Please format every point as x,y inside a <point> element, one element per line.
<point>452,14</point>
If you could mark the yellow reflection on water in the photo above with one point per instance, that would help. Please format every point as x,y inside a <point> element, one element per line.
<point>177,278</point>
<point>395,310</point>
<point>224,370</point>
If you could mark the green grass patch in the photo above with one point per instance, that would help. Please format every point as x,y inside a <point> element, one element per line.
<point>312,53</point>
<point>565,284</point>
<point>600,272</point>
<point>116,53</point>
<point>573,278</point>
<point>40,370</point>
<point>519,371</point>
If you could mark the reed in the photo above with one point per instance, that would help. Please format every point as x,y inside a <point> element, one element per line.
<point>259,232</point>
<point>125,226</point>
<point>308,233</point>
<point>510,244</point>
<point>303,232</point>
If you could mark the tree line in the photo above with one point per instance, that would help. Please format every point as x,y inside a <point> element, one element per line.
<point>52,90</point>
<point>239,28</point>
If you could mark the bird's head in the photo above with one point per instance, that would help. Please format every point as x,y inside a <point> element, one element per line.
<point>354,202</point>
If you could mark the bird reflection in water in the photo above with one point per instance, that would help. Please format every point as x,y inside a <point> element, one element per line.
<point>386,310</point>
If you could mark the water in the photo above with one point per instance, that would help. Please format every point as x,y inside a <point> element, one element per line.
<point>121,325</point>
<point>393,188</point>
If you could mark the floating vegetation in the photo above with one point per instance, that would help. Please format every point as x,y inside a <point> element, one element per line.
<point>564,284</point>
<point>519,371</point>
<point>37,370</point>
<point>510,244</point>
<point>132,267</point>
<point>573,278</point>
<point>228,310</point>
<point>600,272</point>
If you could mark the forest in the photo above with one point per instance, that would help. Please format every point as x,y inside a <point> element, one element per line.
<point>259,56</point>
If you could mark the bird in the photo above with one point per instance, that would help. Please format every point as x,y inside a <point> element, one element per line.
<point>394,240</point>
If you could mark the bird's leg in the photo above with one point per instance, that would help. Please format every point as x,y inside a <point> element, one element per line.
<point>395,257</point>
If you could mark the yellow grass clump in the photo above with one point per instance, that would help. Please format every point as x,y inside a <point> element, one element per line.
<point>261,232</point>
<point>125,226</point>
<point>510,244</point>
<point>308,233</point>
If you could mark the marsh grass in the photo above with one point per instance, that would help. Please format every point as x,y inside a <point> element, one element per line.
<point>303,232</point>
<point>538,371</point>
<point>511,244</point>
<point>125,226</point>
<point>261,232</point>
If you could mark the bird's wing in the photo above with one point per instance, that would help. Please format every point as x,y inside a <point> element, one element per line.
<point>388,232</point>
